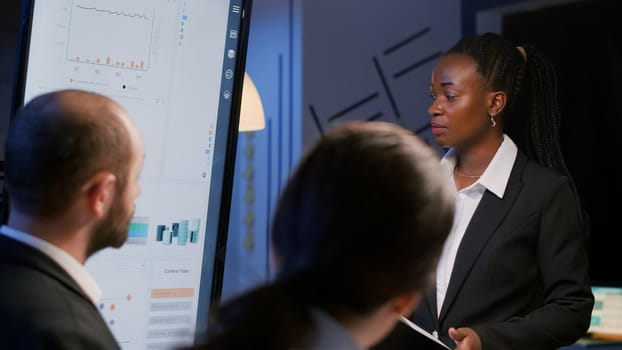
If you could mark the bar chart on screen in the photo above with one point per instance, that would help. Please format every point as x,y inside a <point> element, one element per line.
<point>128,46</point>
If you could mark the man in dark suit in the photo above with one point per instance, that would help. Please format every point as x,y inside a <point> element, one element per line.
<point>73,159</point>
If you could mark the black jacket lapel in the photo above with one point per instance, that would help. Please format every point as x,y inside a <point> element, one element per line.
<point>486,219</point>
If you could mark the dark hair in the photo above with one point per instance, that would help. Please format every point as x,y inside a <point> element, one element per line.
<point>57,142</point>
<point>362,220</point>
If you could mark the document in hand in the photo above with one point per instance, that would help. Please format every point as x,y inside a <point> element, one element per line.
<point>421,338</point>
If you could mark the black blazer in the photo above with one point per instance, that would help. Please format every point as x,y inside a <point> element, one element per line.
<point>41,307</point>
<point>521,275</point>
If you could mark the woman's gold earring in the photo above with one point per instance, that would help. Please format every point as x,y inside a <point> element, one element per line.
<point>493,123</point>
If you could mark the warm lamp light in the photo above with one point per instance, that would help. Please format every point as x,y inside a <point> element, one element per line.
<point>251,111</point>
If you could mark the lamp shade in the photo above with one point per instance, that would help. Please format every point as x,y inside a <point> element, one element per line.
<point>251,109</point>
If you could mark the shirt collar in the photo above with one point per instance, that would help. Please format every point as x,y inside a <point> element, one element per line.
<point>497,174</point>
<point>73,267</point>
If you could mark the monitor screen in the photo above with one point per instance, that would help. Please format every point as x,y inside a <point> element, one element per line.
<point>177,67</point>
<point>606,321</point>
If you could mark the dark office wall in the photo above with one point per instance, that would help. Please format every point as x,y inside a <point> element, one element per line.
<point>9,21</point>
<point>471,7</point>
<point>364,60</point>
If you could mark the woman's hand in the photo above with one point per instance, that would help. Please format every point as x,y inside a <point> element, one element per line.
<point>465,338</point>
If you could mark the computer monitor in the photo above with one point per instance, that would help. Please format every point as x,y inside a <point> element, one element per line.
<point>177,66</point>
<point>606,321</point>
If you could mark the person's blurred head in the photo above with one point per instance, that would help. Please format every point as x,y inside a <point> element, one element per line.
<point>363,219</point>
<point>62,142</point>
<point>356,234</point>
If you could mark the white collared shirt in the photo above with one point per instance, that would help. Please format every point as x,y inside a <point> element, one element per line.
<point>73,267</point>
<point>495,179</point>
